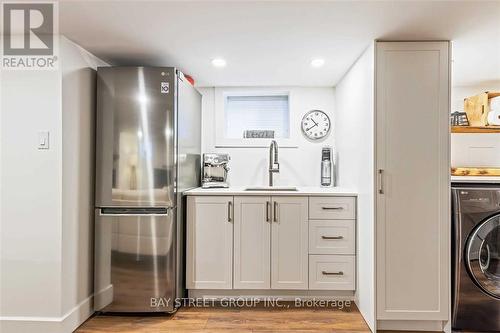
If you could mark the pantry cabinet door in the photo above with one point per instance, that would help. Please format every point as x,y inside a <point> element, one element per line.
<point>209,242</point>
<point>289,243</point>
<point>412,158</point>
<point>252,243</point>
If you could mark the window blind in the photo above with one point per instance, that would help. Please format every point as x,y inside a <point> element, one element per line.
<point>257,113</point>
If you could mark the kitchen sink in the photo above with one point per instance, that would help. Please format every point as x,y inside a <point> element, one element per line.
<point>271,188</point>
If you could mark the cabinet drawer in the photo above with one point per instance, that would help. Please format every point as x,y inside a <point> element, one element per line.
<point>331,272</point>
<point>332,208</point>
<point>332,237</point>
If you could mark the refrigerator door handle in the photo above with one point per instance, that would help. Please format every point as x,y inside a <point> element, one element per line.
<point>153,211</point>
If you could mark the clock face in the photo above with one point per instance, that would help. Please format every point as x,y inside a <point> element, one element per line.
<point>315,124</point>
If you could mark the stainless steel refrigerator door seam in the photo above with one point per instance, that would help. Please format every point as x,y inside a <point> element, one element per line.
<point>164,214</point>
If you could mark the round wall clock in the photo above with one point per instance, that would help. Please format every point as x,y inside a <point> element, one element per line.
<point>316,124</point>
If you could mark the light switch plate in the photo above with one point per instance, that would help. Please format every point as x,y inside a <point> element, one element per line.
<point>43,140</point>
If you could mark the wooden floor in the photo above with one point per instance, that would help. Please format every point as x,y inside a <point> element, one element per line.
<point>244,320</point>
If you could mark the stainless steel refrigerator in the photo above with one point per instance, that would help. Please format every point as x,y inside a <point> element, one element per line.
<point>147,153</point>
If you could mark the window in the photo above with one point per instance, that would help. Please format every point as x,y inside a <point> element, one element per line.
<point>252,117</point>
<point>257,116</point>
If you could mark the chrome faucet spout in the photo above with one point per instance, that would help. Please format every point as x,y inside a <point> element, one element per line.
<point>274,165</point>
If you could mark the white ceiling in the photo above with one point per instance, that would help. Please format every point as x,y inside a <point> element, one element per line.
<point>272,43</point>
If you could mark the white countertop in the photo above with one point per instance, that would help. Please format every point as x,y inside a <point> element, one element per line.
<point>240,190</point>
<point>476,179</point>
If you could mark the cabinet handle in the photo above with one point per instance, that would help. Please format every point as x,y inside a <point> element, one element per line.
<point>275,212</point>
<point>268,208</point>
<point>380,181</point>
<point>229,206</point>
<point>332,273</point>
<point>332,237</point>
<point>332,208</point>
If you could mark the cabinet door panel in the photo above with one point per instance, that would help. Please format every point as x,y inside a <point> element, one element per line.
<point>252,243</point>
<point>289,243</point>
<point>412,116</point>
<point>209,242</point>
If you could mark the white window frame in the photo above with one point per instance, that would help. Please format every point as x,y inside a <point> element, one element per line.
<point>221,141</point>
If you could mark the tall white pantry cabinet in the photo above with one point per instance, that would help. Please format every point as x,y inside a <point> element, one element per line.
<point>412,103</point>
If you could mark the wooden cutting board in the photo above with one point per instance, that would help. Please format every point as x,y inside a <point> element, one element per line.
<point>477,108</point>
<point>475,172</point>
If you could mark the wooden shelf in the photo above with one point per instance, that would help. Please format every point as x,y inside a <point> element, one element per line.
<point>469,129</point>
<point>475,172</point>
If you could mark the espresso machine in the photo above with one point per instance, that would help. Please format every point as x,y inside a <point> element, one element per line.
<point>215,168</point>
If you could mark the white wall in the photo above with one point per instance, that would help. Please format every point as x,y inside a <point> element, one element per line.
<point>473,149</point>
<point>354,97</point>
<point>78,120</point>
<point>47,195</point>
<point>299,166</point>
<point>30,199</point>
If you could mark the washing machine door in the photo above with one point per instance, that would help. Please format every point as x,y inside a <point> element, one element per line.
<point>483,256</point>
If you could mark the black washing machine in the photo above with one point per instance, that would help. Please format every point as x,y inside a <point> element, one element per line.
<point>476,257</point>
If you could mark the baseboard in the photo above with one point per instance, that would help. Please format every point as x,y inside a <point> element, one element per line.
<point>103,297</point>
<point>410,325</point>
<point>65,324</point>
<point>77,316</point>
<point>284,295</point>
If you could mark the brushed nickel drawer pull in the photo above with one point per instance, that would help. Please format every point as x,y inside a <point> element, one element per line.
<point>268,208</point>
<point>332,208</point>
<point>275,211</point>
<point>332,237</point>
<point>229,206</point>
<point>332,273</point>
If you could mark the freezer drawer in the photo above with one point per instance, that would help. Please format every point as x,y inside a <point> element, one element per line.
<point>135,260</point>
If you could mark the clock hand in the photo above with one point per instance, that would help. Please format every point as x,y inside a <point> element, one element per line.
<point>311,127</point>
<point>314,122</point>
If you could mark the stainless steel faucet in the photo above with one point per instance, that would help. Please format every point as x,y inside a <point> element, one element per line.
<point>274,166</point>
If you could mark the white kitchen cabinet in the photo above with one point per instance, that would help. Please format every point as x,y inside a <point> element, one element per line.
<point>264,242</point>
<point>289,243</point>
<point>252,242</point>
<point>261,262</point>
<point>209,242</point>
<point>412,158</point>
